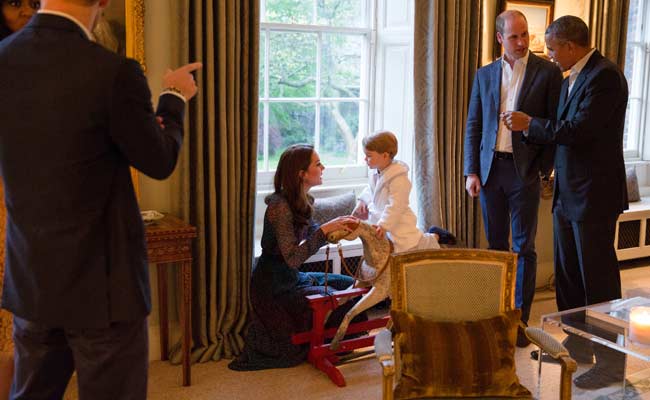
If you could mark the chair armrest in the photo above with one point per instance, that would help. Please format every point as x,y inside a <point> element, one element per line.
<point>384,353</point>
<point>555,349</point>
<point>547,343</point>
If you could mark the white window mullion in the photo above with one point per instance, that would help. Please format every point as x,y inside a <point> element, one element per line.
<point>266,136</point>
<point>364,93</point>
<point>262,10</point>
<point>317,104</point>
<point>267,63</point>
<point>314,28</point>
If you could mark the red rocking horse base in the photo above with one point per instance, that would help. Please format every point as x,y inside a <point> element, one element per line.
<point>320,354</point>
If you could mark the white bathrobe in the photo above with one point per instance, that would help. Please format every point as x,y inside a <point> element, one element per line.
<point>387,198</point>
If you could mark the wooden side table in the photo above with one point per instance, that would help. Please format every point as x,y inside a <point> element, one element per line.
<point>169,243</point>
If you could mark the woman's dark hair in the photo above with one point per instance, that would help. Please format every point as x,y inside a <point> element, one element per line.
<point>4,29</point>
<point>288,182</point>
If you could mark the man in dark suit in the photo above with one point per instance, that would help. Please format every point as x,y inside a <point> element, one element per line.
<point>499,166</point>
<point>74,119</point>
<point>590,190</point>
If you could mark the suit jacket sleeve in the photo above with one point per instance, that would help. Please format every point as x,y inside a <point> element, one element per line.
<point>554,88</point>
<point>133,126</point>
<point>473,131</point>
<point>597,106</point>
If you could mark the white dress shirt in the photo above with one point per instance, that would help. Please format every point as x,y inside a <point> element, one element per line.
<point>577,68</point>
<point>511,79</point>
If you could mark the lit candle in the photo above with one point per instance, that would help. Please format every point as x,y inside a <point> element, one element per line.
<point>640,325</point>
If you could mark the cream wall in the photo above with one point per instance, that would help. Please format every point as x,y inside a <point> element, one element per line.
<point>159,195</point>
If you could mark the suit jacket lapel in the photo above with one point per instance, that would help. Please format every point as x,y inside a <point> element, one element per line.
<point>529,76</point>
<point>496,91</point>
<point>580,80</point>
<point>562,102</point>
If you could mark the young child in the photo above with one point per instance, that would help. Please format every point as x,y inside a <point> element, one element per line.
<point>385,201</point>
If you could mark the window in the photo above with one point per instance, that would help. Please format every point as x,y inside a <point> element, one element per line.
<point>636,72</point>
<point>315,64</point>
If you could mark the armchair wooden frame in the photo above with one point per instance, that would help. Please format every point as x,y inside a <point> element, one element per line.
<point>389,359</point>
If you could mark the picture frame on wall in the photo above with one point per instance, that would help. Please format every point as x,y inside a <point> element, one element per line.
<point>539,14</point>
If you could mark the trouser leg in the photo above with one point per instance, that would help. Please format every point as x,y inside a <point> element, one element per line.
<point>43,362</point>
<point>112,362</point>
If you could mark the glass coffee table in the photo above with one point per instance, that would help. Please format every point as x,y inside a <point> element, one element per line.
<point>585,323</point>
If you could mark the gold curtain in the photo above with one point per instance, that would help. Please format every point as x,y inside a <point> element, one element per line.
<point>447,54</point>
<point>608,28</point>
<point>218,166</point>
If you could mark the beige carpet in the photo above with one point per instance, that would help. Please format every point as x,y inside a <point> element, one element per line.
<point>214,380</point>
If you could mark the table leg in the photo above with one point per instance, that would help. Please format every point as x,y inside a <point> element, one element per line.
<point>186,321</point>
<point>162,311</point>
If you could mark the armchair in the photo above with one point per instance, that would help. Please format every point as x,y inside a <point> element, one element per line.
<point>455,327</point>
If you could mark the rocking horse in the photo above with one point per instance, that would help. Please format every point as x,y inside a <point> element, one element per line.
<point>375,277</point>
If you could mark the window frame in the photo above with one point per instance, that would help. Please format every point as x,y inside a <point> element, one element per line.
<point>339,175</point>
<point>638,119</point>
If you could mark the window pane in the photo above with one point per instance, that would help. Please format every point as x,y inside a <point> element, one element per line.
<point>349,13</point>
<point>260,138</point>
<point>289,123</point>
<point>290,11</point>
<point>634,59</point>
<point>339,132</point>
<point>341,65</point>
<point>292,65</point>
<point>262,62</point>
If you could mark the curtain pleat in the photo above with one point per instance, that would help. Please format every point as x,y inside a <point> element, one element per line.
<point>219,168</point>
<point>447,54</point>
<point>608,28</point>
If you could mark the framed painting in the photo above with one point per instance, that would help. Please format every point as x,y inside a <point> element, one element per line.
<point>121,29</point>
<point>539,14</point>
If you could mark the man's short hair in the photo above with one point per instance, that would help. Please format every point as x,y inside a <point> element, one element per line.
<point>569,29</point>
<point>500,23</point>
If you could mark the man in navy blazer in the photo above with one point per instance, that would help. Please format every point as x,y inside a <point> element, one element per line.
<point>590,190</point>
<point>75,117</point>
<point>499,165</point>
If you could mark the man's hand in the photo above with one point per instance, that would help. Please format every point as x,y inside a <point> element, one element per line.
<point>182,79</point>
<point>360,211</point>
<point>473,185</point>
<point>516,120</point>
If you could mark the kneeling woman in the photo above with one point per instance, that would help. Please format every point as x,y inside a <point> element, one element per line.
<point>278,289</point>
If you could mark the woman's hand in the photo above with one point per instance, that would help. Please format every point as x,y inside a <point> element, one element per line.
<point>361,210</point>
<point>379,231</point>
<point>346,223</point>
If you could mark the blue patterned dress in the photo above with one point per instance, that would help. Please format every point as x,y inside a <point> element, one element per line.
<point>278,291</point>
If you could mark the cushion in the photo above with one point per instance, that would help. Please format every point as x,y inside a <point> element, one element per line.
<point>457,359</point>
<point>632,185</point>
<point>328,208</point>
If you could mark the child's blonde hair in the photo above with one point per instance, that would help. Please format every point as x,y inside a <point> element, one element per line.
<point>381,142</point>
